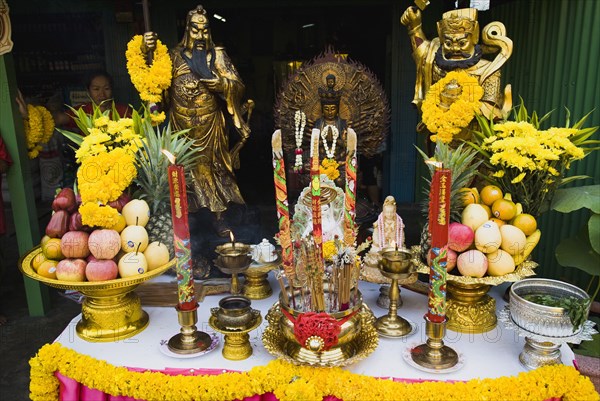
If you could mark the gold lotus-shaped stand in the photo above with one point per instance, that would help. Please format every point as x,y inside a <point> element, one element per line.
<point>470,309</point>
<point>111,310</point>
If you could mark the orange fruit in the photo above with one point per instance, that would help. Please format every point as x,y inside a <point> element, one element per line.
<point>499,222</point>
<point>37,261</point>
<point>51,249</point>
<point>469,196</point>
<point>489,194</point>
<point>504,209</point>
<point>526,223</point>
<point>48,269</point>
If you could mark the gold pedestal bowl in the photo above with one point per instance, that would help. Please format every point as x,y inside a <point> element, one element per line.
<point>469,308</point>
<point>256,285</point>
<point>111,311</point>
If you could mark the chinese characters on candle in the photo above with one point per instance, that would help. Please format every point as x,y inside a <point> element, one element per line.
<point>439,213</point>
<point>181,233</point>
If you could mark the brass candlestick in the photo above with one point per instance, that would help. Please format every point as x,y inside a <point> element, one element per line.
<point>233,259</point>
<point>434,354</point>
<point>395,264</point>
<point>189,340</point>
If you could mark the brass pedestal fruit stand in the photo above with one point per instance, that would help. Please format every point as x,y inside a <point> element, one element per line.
<point>111,310</point>
<point>235,319</point>
<point>395,264</point>
<point>233,259</point>
<point>470,308</point>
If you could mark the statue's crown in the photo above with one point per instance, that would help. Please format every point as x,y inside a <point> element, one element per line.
<point>199,15</point>
<point>462,20</point>
<point>330,96</point>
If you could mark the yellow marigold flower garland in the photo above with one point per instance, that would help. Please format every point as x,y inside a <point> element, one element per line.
<point>38,129</point>
<point>293,383</point>
<point>330,167</point>
<point>447,123</point>
<point>149,80</point>
<point>100,179</point>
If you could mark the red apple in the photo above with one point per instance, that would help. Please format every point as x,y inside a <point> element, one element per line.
<point>451,260</point>
<point>91,258</point>
<point>71,270</point>
<point>460,237</point>
<point>74,244</point>
<point>101,270</point>
<point>104,244</point>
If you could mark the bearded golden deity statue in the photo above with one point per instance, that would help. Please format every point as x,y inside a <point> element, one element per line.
<point>203,79</point>
<point>457,48</point>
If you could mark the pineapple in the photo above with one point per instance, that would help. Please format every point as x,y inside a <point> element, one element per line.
<point>152,178</point>
<point>463,167</point>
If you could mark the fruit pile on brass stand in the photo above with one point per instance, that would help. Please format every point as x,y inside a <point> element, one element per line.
<point>111,310</point>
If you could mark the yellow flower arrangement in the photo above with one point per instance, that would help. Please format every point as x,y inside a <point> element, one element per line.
<point>107,157</point>
<point>445,123</point>
<point>103,178</point>
<point>529,162</point>
<point>38,129</point>
<point>149,80</point>
<point>330,167</point>
<point>329,249</point>
<point>293,383</point>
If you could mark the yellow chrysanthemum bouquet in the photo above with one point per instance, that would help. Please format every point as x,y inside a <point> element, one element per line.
<point>528,162</point>
<point>106,152</point>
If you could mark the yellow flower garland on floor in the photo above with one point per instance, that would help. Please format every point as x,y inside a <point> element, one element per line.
<point>294,383</point>
<point>38,129</point>
<point>149,80</point>
<point>447,123</point>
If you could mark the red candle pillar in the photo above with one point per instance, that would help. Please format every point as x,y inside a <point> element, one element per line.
<point>439,215</point>
<point>181,233</point>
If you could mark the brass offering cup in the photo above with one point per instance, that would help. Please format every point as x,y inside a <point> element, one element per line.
<point>233,259</point>
<point>234,313</point>
<point>395,264</point>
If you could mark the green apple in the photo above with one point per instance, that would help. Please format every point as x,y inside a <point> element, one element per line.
<point>136,212</point>
<point>157,254</point>
<point>134,239</point>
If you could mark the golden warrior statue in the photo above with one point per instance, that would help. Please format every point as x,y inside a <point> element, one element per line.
<point>204,84</point>
<point>457,48</point>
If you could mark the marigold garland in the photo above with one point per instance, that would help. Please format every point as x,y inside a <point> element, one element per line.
<point>149,80</point>
<point>293,383</point>
<point>39,128</point>
<point>447,123</point>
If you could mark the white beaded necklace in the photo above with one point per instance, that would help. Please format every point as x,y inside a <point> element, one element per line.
<point>330,152</point>
<point>299,123</point>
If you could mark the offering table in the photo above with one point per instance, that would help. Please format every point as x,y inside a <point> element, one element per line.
<point>488,355</point>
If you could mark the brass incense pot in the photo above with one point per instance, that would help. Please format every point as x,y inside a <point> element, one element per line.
<point>234,313</point>
<point>235,319</point>
<point>233,259</point>
<point>395,264</point>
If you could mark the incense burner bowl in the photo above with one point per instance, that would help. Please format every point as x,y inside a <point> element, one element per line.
<point>234,313</point>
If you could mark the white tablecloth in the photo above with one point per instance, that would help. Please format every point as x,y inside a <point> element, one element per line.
<point>491,354</point>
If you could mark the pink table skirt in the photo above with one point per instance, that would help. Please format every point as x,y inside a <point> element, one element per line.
<point>71,390</point>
